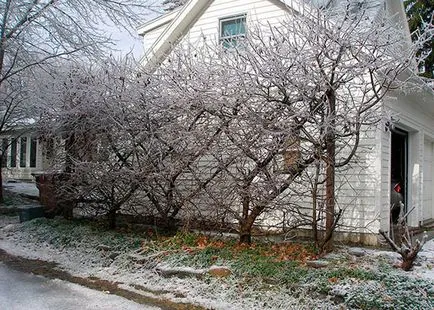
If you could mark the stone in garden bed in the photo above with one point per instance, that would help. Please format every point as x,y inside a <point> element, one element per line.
<point>180,272</point>
<point>317,263</point>
<point>103,247</point>
<point>219,271</point>
<point>358,252</point>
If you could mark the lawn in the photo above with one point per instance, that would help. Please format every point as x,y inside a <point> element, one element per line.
<point>219,273</point>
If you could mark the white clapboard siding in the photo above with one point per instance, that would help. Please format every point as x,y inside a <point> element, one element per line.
<point>256,11</point>
<point>383,192</point>
<point>428,184</point>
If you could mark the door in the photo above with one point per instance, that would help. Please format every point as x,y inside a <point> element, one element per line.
<point>398,173</point>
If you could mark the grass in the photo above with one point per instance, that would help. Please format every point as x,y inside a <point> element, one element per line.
<point>266,266</point>
<point>63,233</point>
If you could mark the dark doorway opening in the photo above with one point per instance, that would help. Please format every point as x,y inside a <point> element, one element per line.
<point>398,169</point>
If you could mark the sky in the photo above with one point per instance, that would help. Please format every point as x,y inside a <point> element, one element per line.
<point>126,42</point>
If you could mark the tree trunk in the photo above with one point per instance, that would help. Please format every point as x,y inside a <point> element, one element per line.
<point>245,232</point>
<point>246,223</point>
<point>169,224</point>
<point>408,261</point>
<point>1,183</point>
<point>330,171</point>
<point>67,211</point>
<point>112,218</point>
<point>315,205</point>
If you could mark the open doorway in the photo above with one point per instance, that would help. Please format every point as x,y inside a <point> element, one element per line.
<point>398,173</point>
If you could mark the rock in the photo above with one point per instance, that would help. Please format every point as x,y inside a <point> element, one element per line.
<point>103,247</point>
<point>340,290</point>
<point>167,272</point>
<point>140,259</point>
<point>389,256</point>
<point>114,255</point>
<point>357,252</point>
<point>317,263</point>
<point>219,272</point>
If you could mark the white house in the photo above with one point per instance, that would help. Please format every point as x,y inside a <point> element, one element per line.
<point>404,154</point>
<point>21,155</point>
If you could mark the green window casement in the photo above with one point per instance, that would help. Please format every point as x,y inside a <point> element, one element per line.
<point>232,31</point>
<point>13,161</point>
<point>33,151</point>
<point>4,150</point>
<point>23,152</point>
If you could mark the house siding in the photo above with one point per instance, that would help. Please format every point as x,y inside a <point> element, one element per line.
<point>383,197</point>
<point>428,184</point>
<point>207,25</point>
<point>363,187</point>
<point>357,186</point>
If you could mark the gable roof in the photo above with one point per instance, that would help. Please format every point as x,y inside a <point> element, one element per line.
<point>178,22</point>
<point>157,22</point>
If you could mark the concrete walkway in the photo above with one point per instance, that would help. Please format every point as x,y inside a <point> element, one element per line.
<point>22,291</point>
<point>28,189</point>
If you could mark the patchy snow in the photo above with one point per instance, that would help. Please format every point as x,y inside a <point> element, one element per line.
<point>26,188</point>
<point>7,222</point>
<point>86,260</point>
<point>90,256</point>
<point>425,264</point>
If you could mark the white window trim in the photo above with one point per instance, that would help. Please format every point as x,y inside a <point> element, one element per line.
<point>223,37</point>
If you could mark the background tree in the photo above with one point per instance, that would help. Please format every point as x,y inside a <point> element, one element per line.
<point>129,142</point>
<point>420,15</point>
<point>90,113</point>
<point>34,33</point>
<point>170,5</point>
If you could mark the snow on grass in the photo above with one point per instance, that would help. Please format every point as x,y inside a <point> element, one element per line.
<point>425,263</point>
<point>83,250</point>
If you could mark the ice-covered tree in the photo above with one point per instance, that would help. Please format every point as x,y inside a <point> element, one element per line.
<point>250,133</point>
<point>292,97</point>
<point>127,140</point>
<point>91,113</point>
<point>34,33</point>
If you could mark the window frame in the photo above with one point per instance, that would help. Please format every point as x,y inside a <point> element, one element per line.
<point>227,38</point>
<point>23,152</point>
<point>14,153</point>
<point>33,152</point>
<point>5,149</point>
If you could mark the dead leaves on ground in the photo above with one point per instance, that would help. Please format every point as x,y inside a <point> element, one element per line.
<point>195,243</point>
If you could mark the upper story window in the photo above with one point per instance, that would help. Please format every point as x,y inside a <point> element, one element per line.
<point>232,30</point>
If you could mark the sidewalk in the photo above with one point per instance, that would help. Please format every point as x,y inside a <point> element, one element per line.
<point>21,202</point>
<point>25,189</point>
